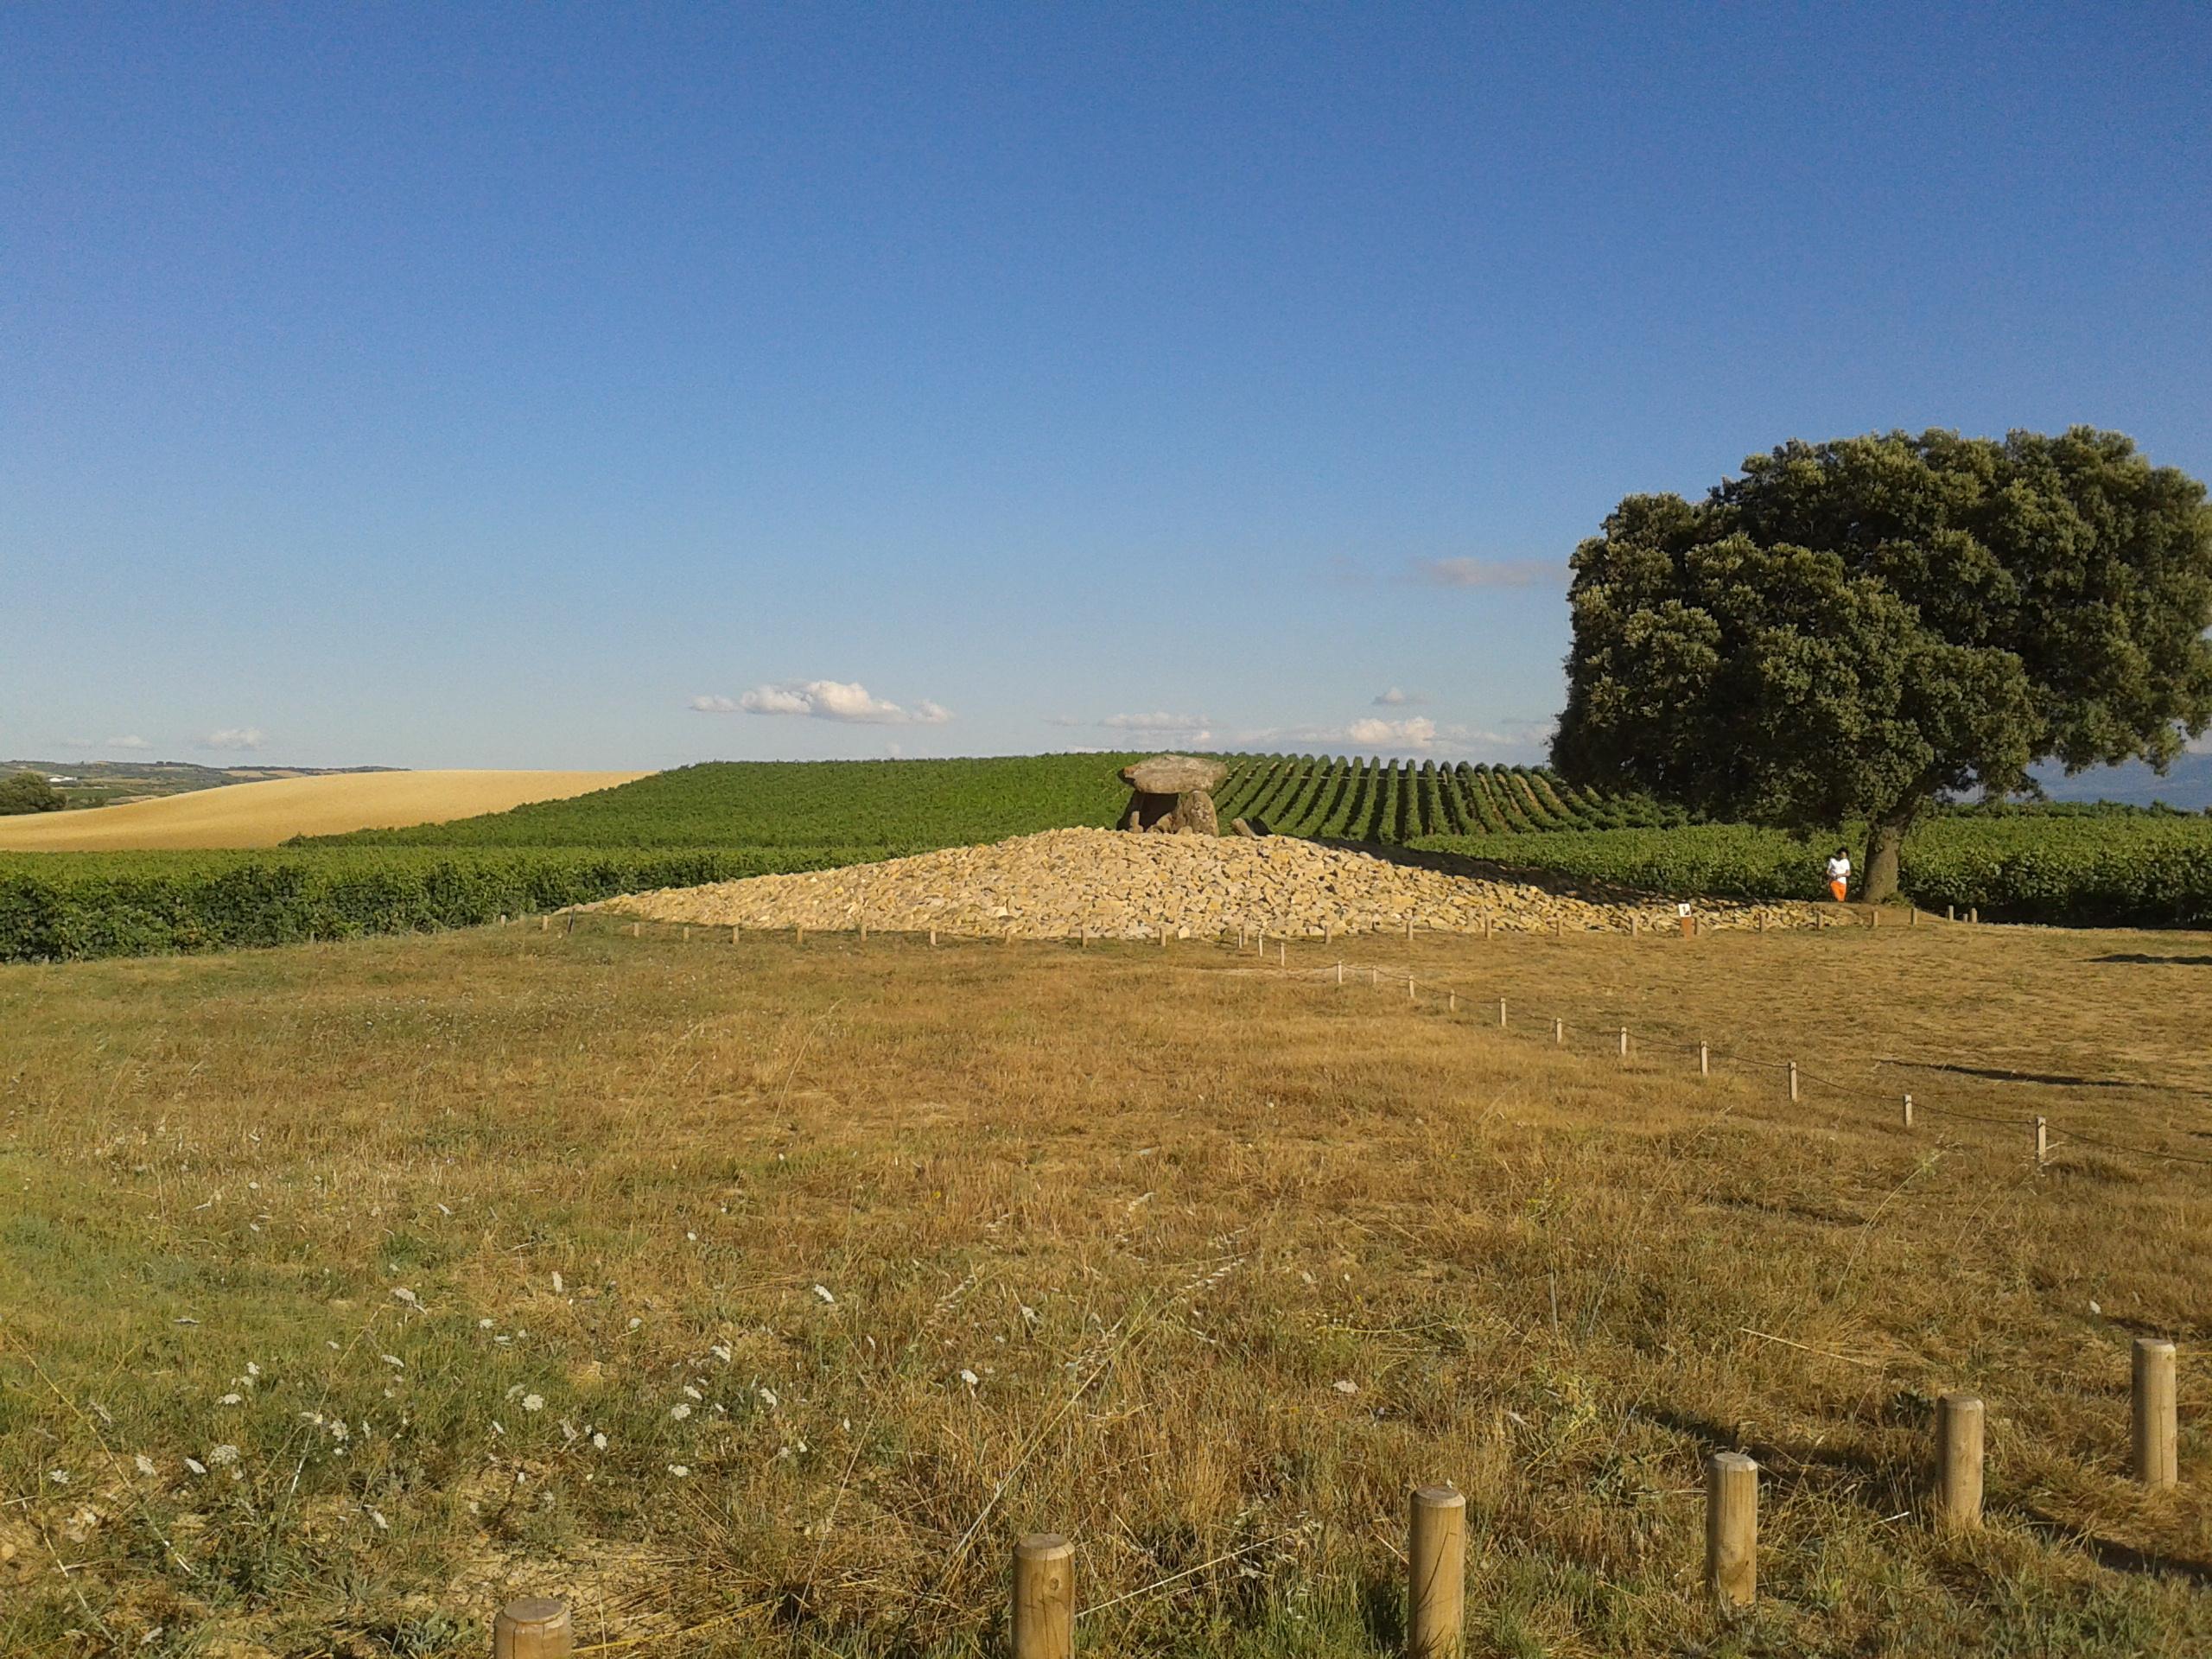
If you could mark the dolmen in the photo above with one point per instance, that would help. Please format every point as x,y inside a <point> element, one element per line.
<point>1173,794</point>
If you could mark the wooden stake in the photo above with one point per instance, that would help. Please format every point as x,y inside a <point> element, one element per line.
<point>932,939</point>
<point>634,933</point>
<point>1263,941</point>
<point>1914,922</point>
<point>1558,1033</point>
<point>1375,976</point>
<point>863,930</point>
<point>1282,953</point>
<point>1633,924</point>
<point>1485,929</point>
<point>544,923</point>
<point>2157,1449</point>
<point>1623,1042</point>
<point>1410,930</point>
<point>1451,1003</point>
<point>687,933</point>
<point>798,935</point>
<point>1436,1572</point>
<point>1500,1013</point>
<point>1704,1061</point>
<point>733,932</point>
<point>1793,1080</point>
<point>1409,988</point>
<point>1908,1111</point>
<point>1340,973</point>
<point>1559,927</point>
<point>1950,913</point>
<point>1975,914</point>
<point>533,1627</point>
<point>1044,1596</point>
<point>1958,1461</point>
<point>1732,1527</point>
<point>2042,1143</point>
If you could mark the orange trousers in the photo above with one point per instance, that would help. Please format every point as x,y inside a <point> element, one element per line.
<point>1839,888</point>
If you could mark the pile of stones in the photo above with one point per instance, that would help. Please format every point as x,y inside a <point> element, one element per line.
<point>1106,884</point>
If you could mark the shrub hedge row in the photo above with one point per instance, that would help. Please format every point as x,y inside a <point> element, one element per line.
<point>68,905</point>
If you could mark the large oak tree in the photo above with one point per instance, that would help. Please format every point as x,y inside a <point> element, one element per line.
<point>1851,628</point>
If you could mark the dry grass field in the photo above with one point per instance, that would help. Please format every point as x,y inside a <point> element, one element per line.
<point>268,813</point>
<point>753,1295</point>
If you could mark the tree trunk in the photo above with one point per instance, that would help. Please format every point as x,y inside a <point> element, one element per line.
<point>1884,838</point>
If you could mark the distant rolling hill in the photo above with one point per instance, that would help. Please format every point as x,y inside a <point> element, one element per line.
<point>267,813</point>
<point>2188,785</point>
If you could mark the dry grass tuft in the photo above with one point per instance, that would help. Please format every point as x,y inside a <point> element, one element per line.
<point>863,1258</point>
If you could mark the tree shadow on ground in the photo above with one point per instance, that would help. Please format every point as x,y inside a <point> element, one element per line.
<point>2140,957</point>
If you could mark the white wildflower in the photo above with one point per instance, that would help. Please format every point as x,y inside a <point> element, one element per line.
<point>557,1286</point>
<point>599,1441</point>
<point>767,1397</point>
<point>693,1392</point>
<point>1344,1385</point>
<point>377,1516</point>
<point>59,1476</point>
<point>232,1400</point>
<point>145,1464</point>
<point>533,1402</point>
<point>822,1291</point>
<point>635,1321</point>
<point>968,1376</point>
<point>252,1368</point>
<point>406,1295</point>
<point>679,1411</point>
<point>223,1454</point>
<point>681,1470</point>
<point>720,1350</point>
<point>483,1325</point>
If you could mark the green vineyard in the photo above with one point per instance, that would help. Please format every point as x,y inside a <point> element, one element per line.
<point>1338,799</point>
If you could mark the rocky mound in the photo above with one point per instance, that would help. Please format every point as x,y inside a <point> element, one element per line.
<point>1096,883</point>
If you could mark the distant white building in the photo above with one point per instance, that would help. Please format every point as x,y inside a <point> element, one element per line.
<point>59,778</point>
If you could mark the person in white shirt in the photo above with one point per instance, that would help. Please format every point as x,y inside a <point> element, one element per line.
<point>1840,874</point>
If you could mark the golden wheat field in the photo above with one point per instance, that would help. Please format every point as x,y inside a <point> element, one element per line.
<point>753,1295</point>
<point>270,812</point>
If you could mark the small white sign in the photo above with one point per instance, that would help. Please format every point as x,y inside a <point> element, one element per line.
<point>1682,910</point>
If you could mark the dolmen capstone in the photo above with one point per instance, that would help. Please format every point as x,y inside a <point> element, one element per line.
<point>1173,794</point>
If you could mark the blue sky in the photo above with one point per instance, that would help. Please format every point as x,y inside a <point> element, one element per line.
<point>487,385</point>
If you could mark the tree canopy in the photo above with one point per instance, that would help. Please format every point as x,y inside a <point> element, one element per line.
<point>1851,628</point>
<point>27,791</point>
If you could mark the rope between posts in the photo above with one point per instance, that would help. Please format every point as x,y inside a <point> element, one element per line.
<point>1850,1090</point>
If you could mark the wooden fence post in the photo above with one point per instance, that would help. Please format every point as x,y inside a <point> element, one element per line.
<point>1485,928</point>
<point>1623,1042</point>
<point>733,932</point>
<point>1950,913</point>
<point>1451,1001</point>
<point>1793,1080</point>
<point>1282,953</point>
<point>1500,1013</point>
<point>1409,988</point>
<point>1634,926</point>
<point>1340,973</point>
<point>1959,1420</point>
<point>2157,1448</point>
<point>1436,1572</point>
<point>1558,1033</point>
<point>2042,1143</point>
<point>1409,929</point>
<point>1908,1111</point>
<point>932,939</point>
<point>1704,1061</point>
<point>1375,976</point>
<point>1044,1596</point>
<point>533,1627</point>
<point>1732,1527</point>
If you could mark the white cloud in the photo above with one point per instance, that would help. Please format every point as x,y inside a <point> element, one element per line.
<point>127,743</point>
<point>841,700</point>
<point>235,737</point>
<point>1485,573</point>
<point>1063,720</point>
<point>1417,732</point>
<point>1393,698</point>
<point>1155,722</point>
